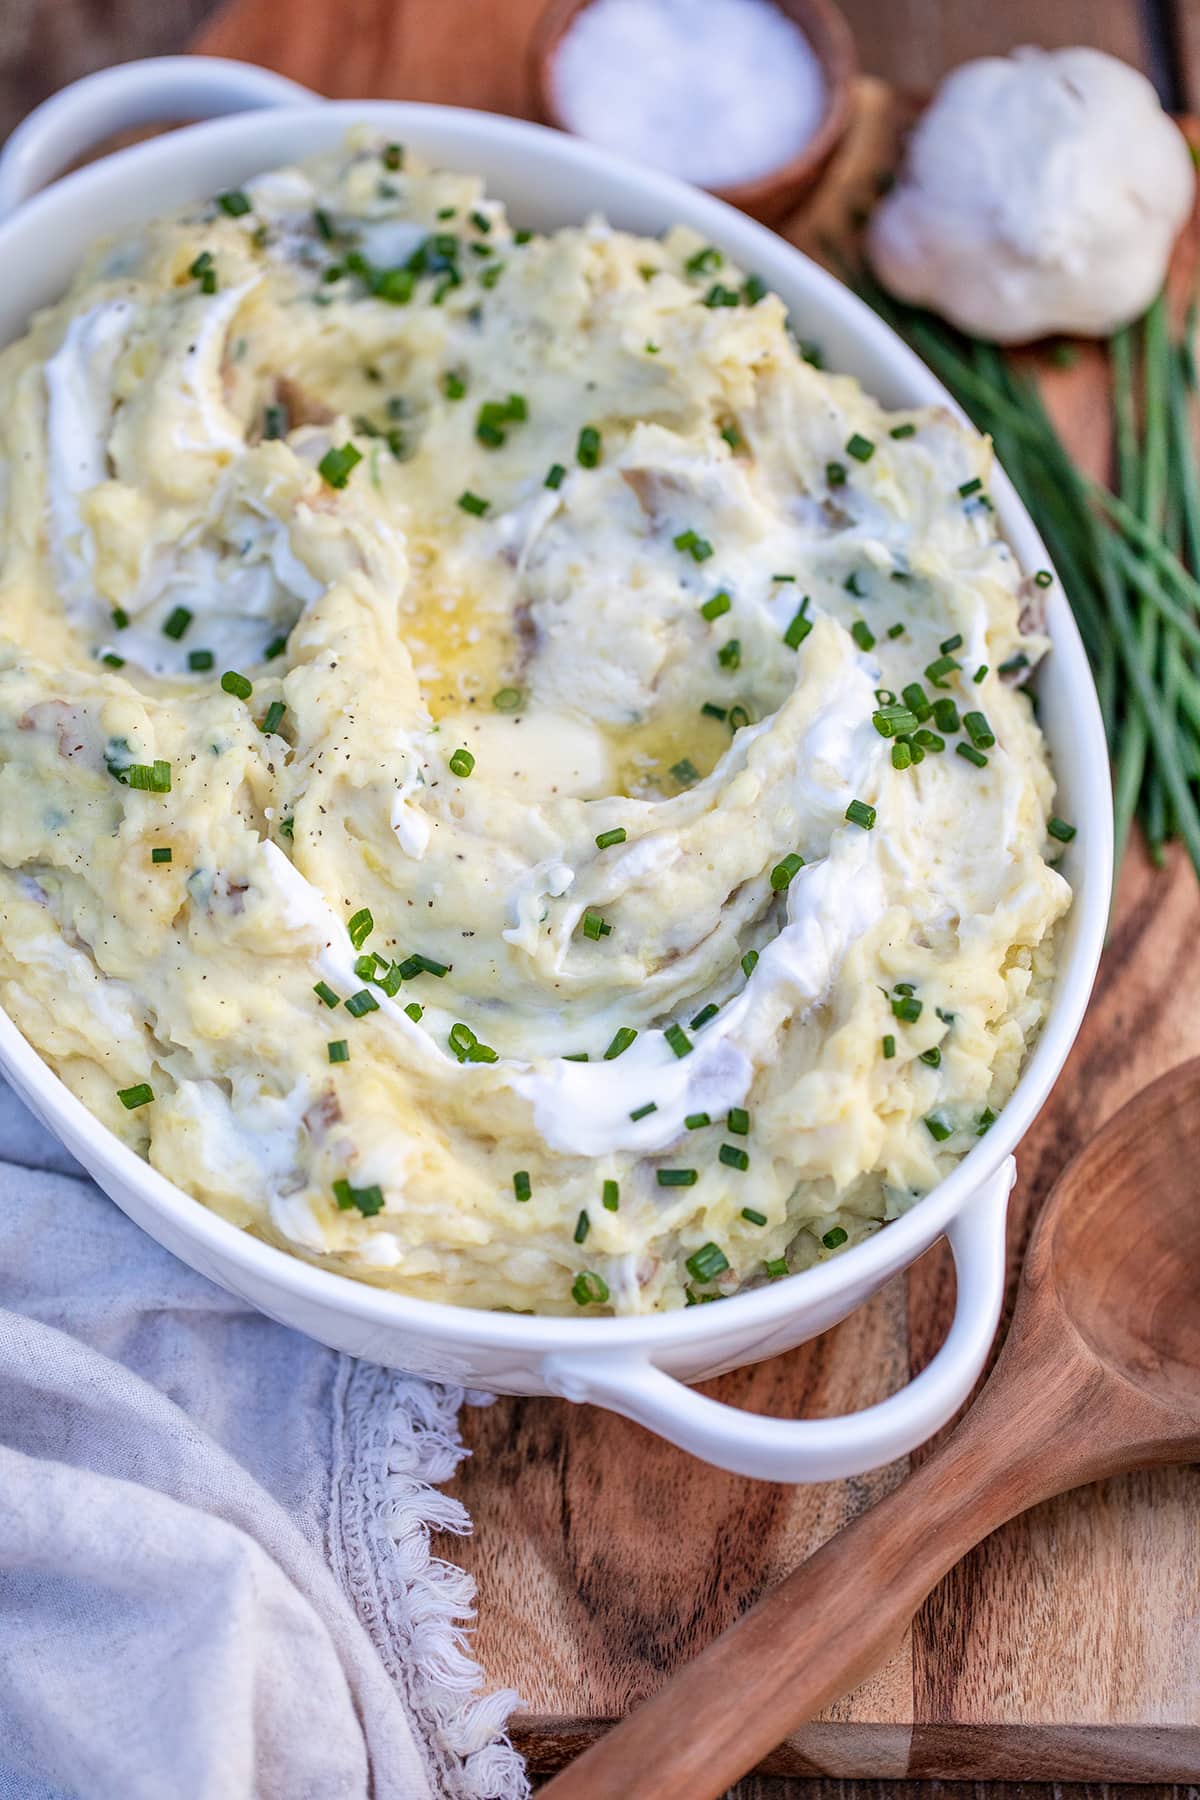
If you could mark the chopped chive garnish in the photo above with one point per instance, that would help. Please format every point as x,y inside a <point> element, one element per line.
<point>733,1158</point>
<point>889,1046</point>
<point>972,755</point>
<point>917,702</point>
<point>902,431</point>
<point>936,672</point>
<point>753,1218</point>
<point>902,755</point>
<point>987,1119</point>
<point>338,1051</point>
<point>589,1289</point>
<point>697,1121</point>
<point>393,156</point>
<point>738,716</point>
<point>704,261</point>
<point>275,423</point>
<point>706,1263</point>
<point>907,1009</point>
<point>978,730</point>
<point>685,771</point>
<point>622,1038</point>
<point>235,203</point>
<point>161,854</point>
<point>521,1184</point>
<point>980,674</point>
<point>945,714</point>
<point>368,1200</point>
<point>120,618</point>
<point>606,839</point>
<point>678,1039</point>
<point>950,644</point>
<point>422,965</point>
<point>776,1268</point>
<point>362,1002</point>
<point>860,448</point>
<point>933,1057</point>
<point>582,1226</point>
<point>176,622</point>
<point>704,1015</point>
<point>360,926</point>
<point>275,648</point>
<point>714,608</point>
<point>738,1121</point>
<point>148,778</point>
<point>862,634</point>
<point>131,1097</point>
<point>507,699</point>
<point>461,763</point>
<point>967,488</point>
<point>851,586</point>
<point>595,925</point>
<point>749,963</point>
<point>111,660</point>
<point>1058,828</point>
<point>929,740</point>
<point>938,1126</point>
<point>897,630</point>
<point>643,1112</point>
<point>237,685</point>
<point>859,813</point>
<point>832,1240</point>
<point>471,503</point>
<point>555,476</point>
<point>720,295</point>
<point>454,385</point>
<point>894,721</point>
<point>389,980</point>
<point>835,474</point>
<point>337,465</point>
<point>415,1010</point>
<point>610,1196</point>
<point>325,993</point>
<point>677,1177</point>
<point>1043,578</point>
<point>730,655</point>
<point>587,449</point>
<point>799,628</point>
<point>273,716</point>
<point>754,288</point>
<point>785,871</point>
<point>697,547</point>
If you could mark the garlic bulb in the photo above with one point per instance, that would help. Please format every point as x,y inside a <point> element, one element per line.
<point>1040,192</point>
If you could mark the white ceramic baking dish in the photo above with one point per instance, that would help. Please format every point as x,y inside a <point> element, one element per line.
<point>638,1367</point>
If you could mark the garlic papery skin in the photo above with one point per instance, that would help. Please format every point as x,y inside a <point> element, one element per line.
<point>1040,192</point>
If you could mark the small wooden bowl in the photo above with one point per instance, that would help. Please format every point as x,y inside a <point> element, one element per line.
<point>770,197</point>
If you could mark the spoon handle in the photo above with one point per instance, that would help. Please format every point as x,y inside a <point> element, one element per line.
<point>837,1617</point>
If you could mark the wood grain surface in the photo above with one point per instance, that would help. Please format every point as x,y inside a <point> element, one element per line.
<point>1066,1648</point>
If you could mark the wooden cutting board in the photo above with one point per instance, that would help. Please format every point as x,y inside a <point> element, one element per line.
<point>1068,1646</point>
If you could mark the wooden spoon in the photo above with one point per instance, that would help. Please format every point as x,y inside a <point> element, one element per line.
<point>1100,1373</point>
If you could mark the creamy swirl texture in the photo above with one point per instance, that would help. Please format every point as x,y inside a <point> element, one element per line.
<point>514,783</point>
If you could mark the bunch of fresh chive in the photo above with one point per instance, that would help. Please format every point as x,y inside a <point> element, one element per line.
<point>1129,556</point>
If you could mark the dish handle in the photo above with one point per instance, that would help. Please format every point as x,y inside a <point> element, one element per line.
<point>821,1449</point>
<point>160,90</point>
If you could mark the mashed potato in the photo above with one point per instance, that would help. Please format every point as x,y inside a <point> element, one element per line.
<point>514,784</point>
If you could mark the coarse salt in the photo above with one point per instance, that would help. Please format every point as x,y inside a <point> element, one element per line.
<point>715,91</point>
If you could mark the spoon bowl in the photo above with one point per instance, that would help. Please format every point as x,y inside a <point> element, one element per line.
<point>1122,1240</point>
<point>1100,1373</point>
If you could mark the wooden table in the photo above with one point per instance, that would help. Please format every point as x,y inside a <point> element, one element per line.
<point>601,1556</point>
